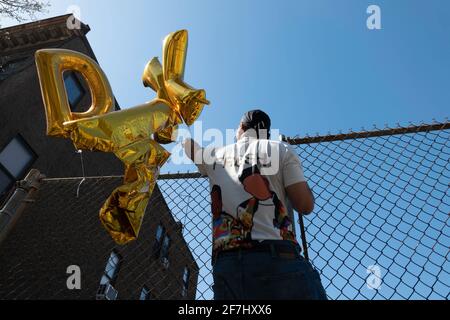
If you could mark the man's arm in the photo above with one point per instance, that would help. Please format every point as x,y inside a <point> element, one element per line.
<point>301,197</point>
<point>193,151</point>
<point>296,186</point>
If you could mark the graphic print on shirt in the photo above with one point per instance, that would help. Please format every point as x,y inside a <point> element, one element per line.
<point>258,186</point>
<point>245,214</point>
<point>244,205</point>
<point>228,232</point>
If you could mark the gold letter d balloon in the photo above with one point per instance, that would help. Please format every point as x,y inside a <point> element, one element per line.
<point>134,135</point>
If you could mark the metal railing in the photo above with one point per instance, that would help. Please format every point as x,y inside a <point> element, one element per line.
<point>380,228</point>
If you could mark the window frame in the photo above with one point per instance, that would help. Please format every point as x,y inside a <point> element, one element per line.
<point>145,290</point>
<point>25,169</point>
<point>158,242</point>
<point>111,280</point>
<point>187,274</point>
<point>166,251</point>
<point>70,74</point>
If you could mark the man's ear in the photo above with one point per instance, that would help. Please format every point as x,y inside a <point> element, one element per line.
<point>188,146</point>
<point>240,130</point>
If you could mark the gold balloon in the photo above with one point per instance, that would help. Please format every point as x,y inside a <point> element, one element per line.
<point>153,77</point>
<point>166,136</point>
<point>188,101</point>
<point>123,211</point>
<point>133,135</point>
<point>116,130</point>
<point>51,64</point>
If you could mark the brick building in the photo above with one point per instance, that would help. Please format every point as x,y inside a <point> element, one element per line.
<point>50,223</point>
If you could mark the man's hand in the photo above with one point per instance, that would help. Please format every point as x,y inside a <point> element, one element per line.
<point>301,197</point>
<point>193,151</point>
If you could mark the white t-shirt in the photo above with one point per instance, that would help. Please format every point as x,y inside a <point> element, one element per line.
<point>248,181</point>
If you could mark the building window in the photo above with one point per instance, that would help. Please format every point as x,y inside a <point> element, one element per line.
<point>75,90</point>
<point>160,232</point>
<point>15,160</point>
<point>162,244</point>
<point>165,248</point>
<point>14,66</point>
<point>145,294</point>
<point>111,270</point>
<point>186,275</point>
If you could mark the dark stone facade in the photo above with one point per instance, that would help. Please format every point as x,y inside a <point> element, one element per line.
<point>57,229</point>
<point>22,110</point>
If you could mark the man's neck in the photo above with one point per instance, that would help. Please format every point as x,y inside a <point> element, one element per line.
<point>247,135</point>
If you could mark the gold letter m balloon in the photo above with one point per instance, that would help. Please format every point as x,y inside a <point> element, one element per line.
<point>134,135</point>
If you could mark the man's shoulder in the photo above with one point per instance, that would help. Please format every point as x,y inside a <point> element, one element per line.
<point>262,145</point>
<point>262,142</point>
<point>213,153</point>
<point>280,146</point>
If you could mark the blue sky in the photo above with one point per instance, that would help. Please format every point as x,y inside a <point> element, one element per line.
<point>379,202</point>
<point>312,65</point>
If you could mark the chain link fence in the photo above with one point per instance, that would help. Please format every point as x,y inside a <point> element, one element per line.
<point>380,229</point>
<point>382,212</point>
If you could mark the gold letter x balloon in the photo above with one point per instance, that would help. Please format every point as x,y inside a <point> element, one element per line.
<point>134,135</point>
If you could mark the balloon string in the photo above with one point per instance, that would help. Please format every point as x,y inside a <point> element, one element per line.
<point>82,169</point>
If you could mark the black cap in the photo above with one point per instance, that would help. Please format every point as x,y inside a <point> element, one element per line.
<point>256,120</point>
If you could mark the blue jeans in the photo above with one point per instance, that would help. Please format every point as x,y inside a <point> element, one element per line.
<point>247,275</point>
